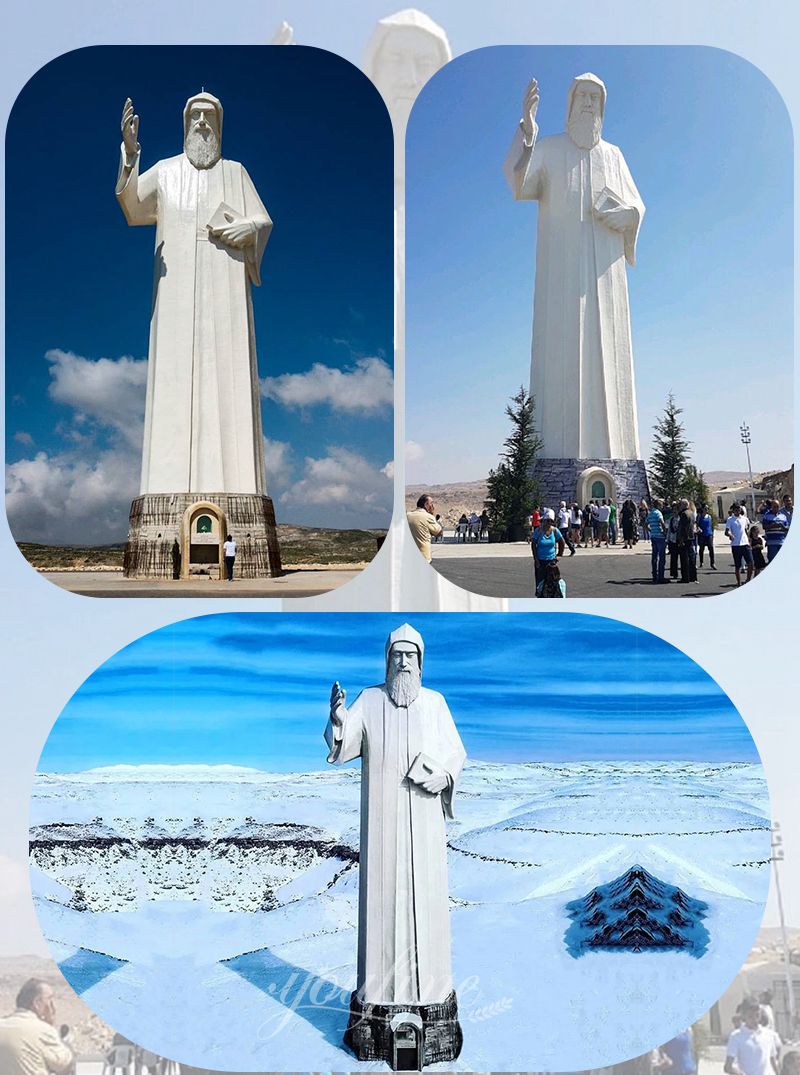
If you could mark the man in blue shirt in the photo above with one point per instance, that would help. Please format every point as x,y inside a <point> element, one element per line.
<point>680,1051</point>
<point>705,535</point>
<point>776,522</point>
<point>658,540</point>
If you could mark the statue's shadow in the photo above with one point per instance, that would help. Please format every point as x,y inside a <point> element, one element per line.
<point>322,1003</point>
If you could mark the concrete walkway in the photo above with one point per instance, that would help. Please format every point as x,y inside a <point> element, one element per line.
<point>506,570</point>
<point>112,584</point>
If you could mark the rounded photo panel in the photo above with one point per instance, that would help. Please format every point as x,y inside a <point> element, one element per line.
<point>354,842</point>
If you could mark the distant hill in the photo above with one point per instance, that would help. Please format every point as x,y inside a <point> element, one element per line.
<point>300,546</point>
<point>454,498</point>
<point>451,500</point>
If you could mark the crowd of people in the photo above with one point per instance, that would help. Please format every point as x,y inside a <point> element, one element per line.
<point>681,536</point>
<point>754,1045</point>
<point>472,527</point>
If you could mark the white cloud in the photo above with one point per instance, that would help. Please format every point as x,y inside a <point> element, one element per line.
<point>82,492</point>
<point>353,491</point>
<point>414,452</point>
<point>109,392</point>
<point>278,460</point>
<point>72,497</point>
<point>21,437</point>
<point>364,388</point>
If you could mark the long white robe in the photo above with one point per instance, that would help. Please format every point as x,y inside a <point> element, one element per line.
<point>203,412</point>
<point>403,921</point>
<point>582,357</point>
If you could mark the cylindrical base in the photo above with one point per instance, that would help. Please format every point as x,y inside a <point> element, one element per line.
<point>165,541</point>
<point>381,1032</point>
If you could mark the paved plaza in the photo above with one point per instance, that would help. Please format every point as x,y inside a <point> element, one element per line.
<point>112,584</point>
<point>506,570</point>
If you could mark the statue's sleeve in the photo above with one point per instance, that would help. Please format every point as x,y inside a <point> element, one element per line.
<point>451,755</point>
<point>344,744</point>
<point>254,209</point>
<point>524,169</point>
<point>137,195</point>
<point>634,200</point>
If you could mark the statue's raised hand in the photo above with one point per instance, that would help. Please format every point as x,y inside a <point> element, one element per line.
<point>338,710</point>
<point>530,106</point>
<point>130,129</point>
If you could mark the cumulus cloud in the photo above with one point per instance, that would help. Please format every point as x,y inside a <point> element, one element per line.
<point>109,392</point>
<point>69,498</point>
<point>21,437</point>
<point>413,452</point>
<point>353,492</point>
<point>82,491</point>
<point>278,460</point>
<point>364,388</point>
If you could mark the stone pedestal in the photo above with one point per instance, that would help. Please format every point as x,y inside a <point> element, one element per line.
<point>372,1030</point>
<point>166,539</point>
<point>572,479</point>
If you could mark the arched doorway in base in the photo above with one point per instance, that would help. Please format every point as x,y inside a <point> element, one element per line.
<point>595,483</point>
<point>202,535</point>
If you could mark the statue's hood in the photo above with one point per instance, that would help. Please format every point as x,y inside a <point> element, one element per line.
<point>405,633</point>
<point>203,96</point>
<point>587,77</point>
<point>414,19</point>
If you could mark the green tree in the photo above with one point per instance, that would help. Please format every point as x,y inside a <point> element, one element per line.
<point>512,489</point>
<point>694,487</point>
<point>670,456</point>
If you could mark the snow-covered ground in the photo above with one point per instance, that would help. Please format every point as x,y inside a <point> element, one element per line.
<point>210,913</point>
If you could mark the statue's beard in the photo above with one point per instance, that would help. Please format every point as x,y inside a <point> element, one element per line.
<point>584,129</point>
<point>403,687</point>
<point>202,147</point>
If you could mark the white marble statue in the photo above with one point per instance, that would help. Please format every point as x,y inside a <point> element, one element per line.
<point>411,758</point>
<point>589,217</point>
<point>203,415</point>
<point>284,35</point>
<point>404,51</point>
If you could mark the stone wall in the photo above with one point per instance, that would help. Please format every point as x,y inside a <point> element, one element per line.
<point>154,548</point>
<point>558,479</point>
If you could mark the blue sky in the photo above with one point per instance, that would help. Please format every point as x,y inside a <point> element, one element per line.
<point>315,137</point>
<point>250,689</point>
<point>709,143</point>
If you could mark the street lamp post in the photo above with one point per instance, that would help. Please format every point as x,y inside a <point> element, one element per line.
<point>744,430</point>
<point>775,858</point>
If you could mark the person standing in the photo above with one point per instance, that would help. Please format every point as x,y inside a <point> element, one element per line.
<point>737,530</point>
<point>587,526</point>
<point>752,1049</point>
<point>680,1051</point>
<point>576,523</point>
<point>563,525</point>
<point>229,552</point>
<point>685,542</point>
<point>776,526</point>
<point>658,541</point>
<point>603,516</point>
<point>423,525</point>
<point>612,522</point>
<point>29,1041</point>
<point>628,517</point>
<point>672,541</point>
<point>758,547</point>
<point>547,546</point>
<point>705,536</point>
<point>643,509</point>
